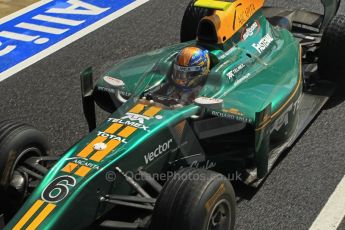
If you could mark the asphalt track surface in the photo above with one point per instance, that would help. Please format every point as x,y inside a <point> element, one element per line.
<point>47,95</point>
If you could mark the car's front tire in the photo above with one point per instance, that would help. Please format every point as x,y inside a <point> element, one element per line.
<point>18,142</point>
<point>332,50</point>
<point>195,199</point>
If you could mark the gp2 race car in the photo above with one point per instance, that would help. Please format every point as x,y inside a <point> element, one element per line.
<point>155,163</point>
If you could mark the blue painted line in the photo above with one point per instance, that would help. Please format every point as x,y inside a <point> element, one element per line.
<point>47,25</point>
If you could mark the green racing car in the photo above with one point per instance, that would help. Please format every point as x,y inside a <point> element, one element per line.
<point>186,123</point>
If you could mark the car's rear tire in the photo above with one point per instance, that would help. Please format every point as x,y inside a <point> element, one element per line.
<point>195,199</point>
<point>332,50</point>
<point>190,21</point>
<point>18,141</point>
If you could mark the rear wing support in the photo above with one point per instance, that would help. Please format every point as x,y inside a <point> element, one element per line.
<point>262,140</point>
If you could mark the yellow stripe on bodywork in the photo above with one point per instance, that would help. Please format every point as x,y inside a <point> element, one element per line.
<point>89,148</point>
<point>126,132</point>
<point>113,128</point>
<point>152,111</point>
<point>137,109</point>
<point>82,171</point>
<point>28,214</point>
<point>69,167</point>
<point>99,155</point>
<point>212,4</point>
<point>41,217</point>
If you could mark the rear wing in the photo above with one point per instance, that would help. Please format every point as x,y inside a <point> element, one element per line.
<point>228,17</point>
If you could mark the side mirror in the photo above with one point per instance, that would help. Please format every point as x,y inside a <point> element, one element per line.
<point>116,83</point>
<point>209,103</point>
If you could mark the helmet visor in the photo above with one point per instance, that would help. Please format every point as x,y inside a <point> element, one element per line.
<point>183,76</point>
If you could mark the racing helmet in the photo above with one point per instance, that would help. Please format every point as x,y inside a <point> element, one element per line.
<point>191,67</point>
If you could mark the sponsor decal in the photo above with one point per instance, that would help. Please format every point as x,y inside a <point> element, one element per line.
<point>131,119</point>
<point>179,146</point>
<point>232,116</point>
<point>85,162</point>
<point>113,91</point>
<point>111,137</point>
<point>233,111</point>
<point>243,79</point>
<point>232,54</point>
<point>49,25</point>
<point>106,89</point>
<point>263,44</point>
<point>283,119</point>
<point>244,15</point>
<point>249,31</point>
<point>203,165</point>
<point>136,117</point>
<point>212,201</point>
<point>80,170</point>
<point>232,74</point>
<point>125,93</point>
<point>113,81</point>
<point>161,149</point>
<point>222,65</point>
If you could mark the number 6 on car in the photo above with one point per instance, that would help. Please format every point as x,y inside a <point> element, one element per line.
<point>58,189</point>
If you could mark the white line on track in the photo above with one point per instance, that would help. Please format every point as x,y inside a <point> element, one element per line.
<point>23,11</point>
<point>333,212</point>
<point>52,49</point>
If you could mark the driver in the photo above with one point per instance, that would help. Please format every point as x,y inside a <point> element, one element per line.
<point>190,69</point>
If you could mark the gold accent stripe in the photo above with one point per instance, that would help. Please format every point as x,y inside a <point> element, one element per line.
<point>41,217</point>
<point>28,214</point>
<point>113,128</point>
<point>89,148</point>
<point>99,155</point>
<point>152,111</point>
<point>137,109</point>
<point>126,132</point>
<point>82,171</point>
<point>69,167</point>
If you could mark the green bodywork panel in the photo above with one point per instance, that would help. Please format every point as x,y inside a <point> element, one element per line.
<point>261,79</point>
<point>248,80</point>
